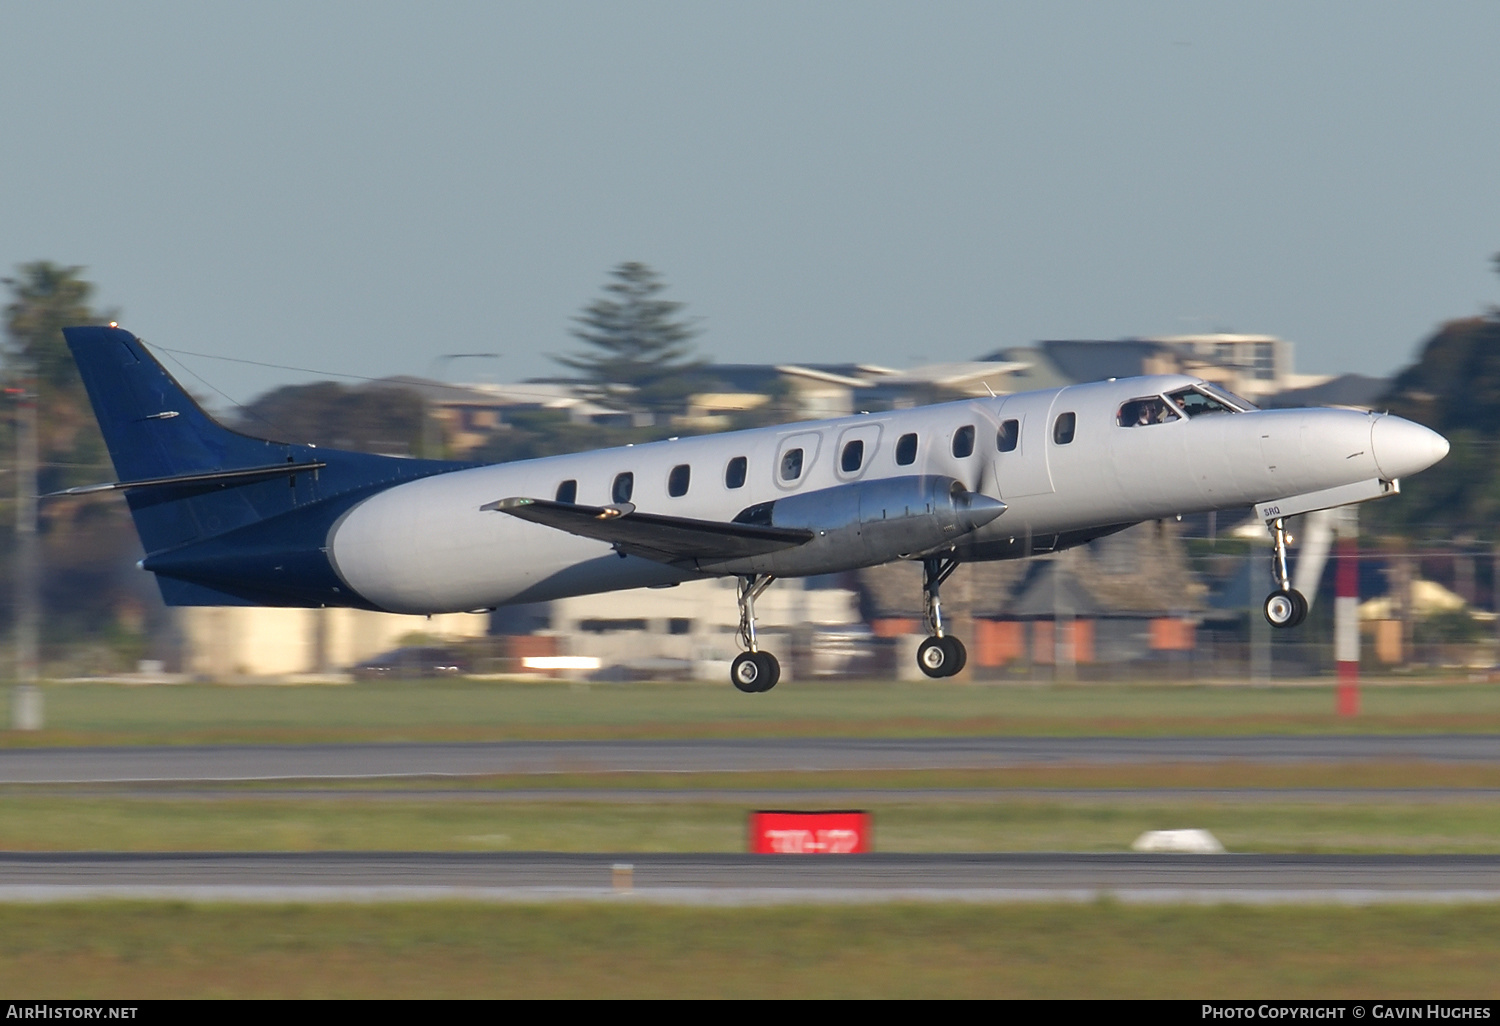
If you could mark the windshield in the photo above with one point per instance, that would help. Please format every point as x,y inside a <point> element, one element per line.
<point>1235,400</point>
<point>1196,403</point>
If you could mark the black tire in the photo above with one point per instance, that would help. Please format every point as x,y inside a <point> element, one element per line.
<point>747,673</point>
<point>934,657</point>
<point>958,655</point>
<point>771,671</point>
<point>1300,600</point>
<point>1281,609</point>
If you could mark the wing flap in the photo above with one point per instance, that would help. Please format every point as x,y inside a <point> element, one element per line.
<point>677,541</point>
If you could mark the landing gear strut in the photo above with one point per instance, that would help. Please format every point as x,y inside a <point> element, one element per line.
<point>1286,606</point>
<point>753,671</point>
<point>941,655</point>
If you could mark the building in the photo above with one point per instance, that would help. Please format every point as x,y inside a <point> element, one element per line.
<point>229,643</point>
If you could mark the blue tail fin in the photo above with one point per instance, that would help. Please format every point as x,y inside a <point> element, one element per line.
<point>152,426</point>
<point>217,509</point>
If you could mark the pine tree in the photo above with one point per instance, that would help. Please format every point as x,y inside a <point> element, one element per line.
<point>642,356</point>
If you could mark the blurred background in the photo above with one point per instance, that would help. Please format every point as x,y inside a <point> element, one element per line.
<point>1167,600</point>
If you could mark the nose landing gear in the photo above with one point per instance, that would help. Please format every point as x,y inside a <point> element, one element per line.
<point>753,671</point>
<point>941,655</point>
<point>1286,606</point>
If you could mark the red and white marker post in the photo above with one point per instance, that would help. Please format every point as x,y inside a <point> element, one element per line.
<point>1346,612</point>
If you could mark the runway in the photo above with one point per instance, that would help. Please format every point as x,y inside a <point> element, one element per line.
<point>716,879</point>
<point>170,764</point>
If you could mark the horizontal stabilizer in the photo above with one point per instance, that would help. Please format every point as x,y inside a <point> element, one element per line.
<point>237,476</point>
<point>677,541</point>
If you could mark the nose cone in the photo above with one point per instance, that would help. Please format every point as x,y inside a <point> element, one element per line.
<point>975,509</point>
<point>1402,448</point>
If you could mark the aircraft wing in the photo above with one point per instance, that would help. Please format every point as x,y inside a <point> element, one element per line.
<point>677,541</point>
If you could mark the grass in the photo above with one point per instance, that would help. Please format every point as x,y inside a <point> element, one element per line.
<point>902,824</point>
<point>96,714</point>
<point>125,951</point>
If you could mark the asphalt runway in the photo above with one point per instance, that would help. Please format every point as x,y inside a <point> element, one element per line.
<point>226,763</point>
<point>771,797</point>
<point>717,879</point>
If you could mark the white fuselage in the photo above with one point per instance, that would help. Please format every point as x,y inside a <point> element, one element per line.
<point>428,547</point>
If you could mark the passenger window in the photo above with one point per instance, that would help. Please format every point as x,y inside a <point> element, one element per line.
<point>791,464</point>
<point>1062,430</point>
<point>853,457</point>
<point>1141,412</point>
<point>734,474</point>
<point>1008,435</point>
<point>567,492</point>
<point>624,486</point>
<point>906,450</point>
<point>677,480</point>
<point>963,441</point>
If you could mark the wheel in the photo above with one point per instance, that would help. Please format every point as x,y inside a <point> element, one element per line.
<point>1300,600</point>
<point>746,672</point>
<point>754,672</point>
<point>1282,609</point>
<point>957,654</point>
<point>770,671</point>
<point>935,657</point>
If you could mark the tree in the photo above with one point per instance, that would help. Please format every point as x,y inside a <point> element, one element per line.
<point>89,587</point>
<point>369,418</point>
<point>44,299</point>
<point>641,356</point>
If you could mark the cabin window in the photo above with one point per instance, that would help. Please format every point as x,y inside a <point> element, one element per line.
<point>963,441</point>
<point>1063,428</point>
<point>791,464</point>
<point>734,474</point>
<point>1195,403</point>
<point>567,492</point>
<point>1151,410</point>
<point>1008,436</point>
<point>853,457</point>
<point>677,480</point>
<point>623,487</point>
<point>906,450</point>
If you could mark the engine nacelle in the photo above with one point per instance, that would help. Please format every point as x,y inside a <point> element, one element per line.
<point>864,524</point>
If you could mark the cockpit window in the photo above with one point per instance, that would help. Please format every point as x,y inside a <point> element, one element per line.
<point>1220,392</point>
<point>1150,410</point>
<point>1196,403</point>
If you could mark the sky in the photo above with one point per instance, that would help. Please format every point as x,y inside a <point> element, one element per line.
<point>367,188</point>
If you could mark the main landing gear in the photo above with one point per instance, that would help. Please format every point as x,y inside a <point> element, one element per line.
<point>1286,606</point>
<point>941,655</point>
<point>753,671</point>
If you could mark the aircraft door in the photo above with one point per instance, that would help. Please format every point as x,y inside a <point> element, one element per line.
<point>1023,470</point>
<point>795,456</point>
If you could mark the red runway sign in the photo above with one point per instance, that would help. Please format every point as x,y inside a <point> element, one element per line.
<point>810,833</point>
